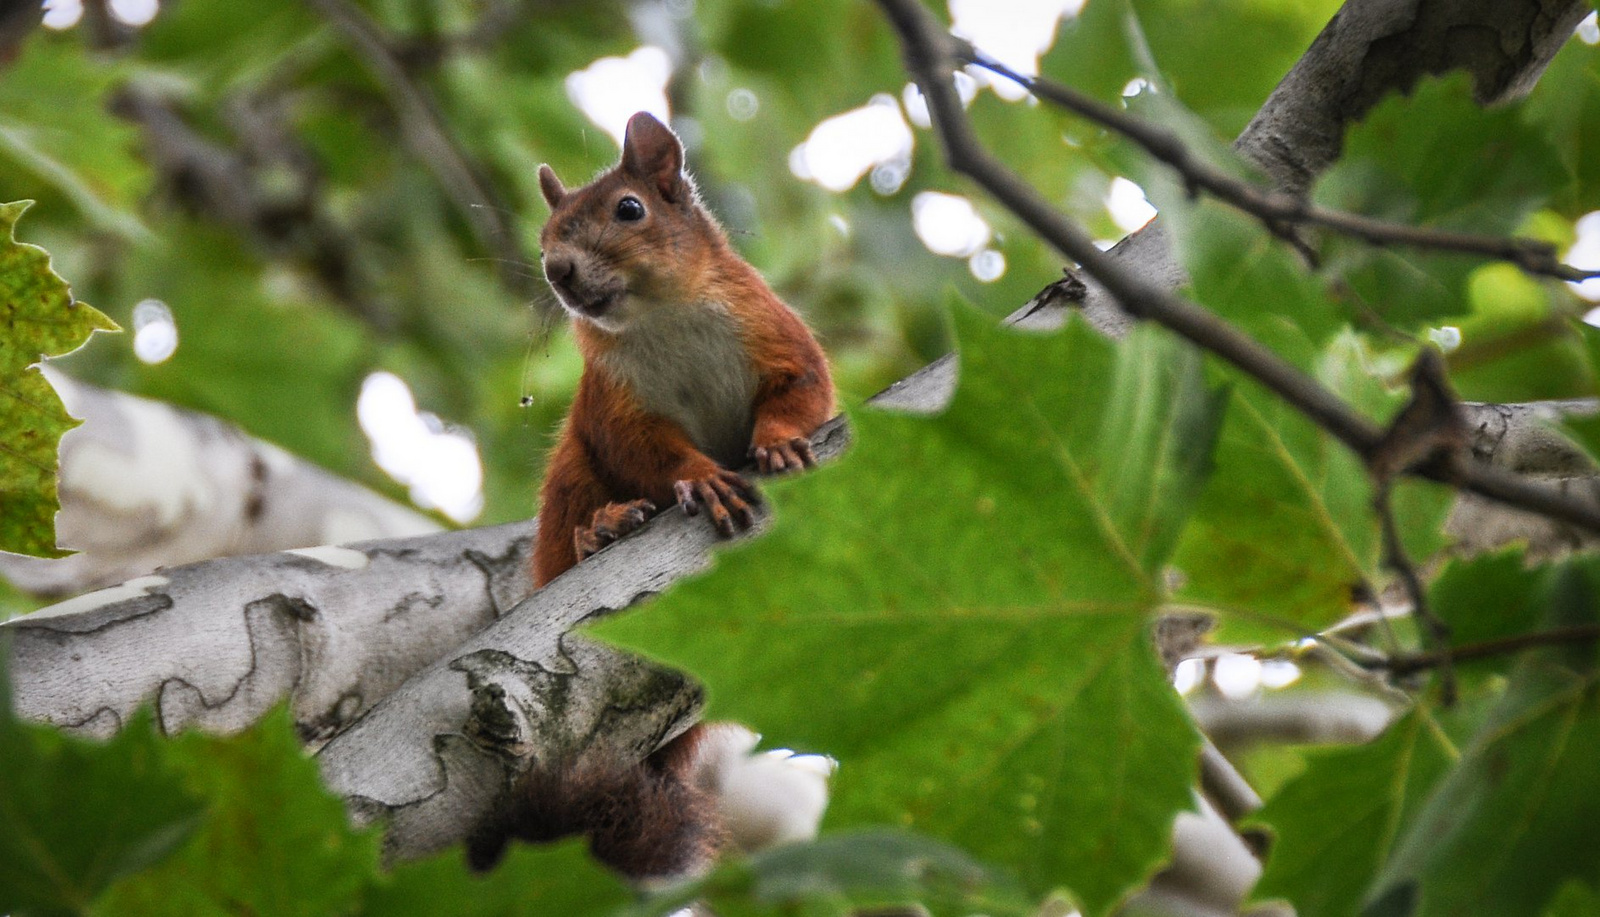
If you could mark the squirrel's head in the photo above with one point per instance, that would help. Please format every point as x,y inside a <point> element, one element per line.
<point>634,239</point>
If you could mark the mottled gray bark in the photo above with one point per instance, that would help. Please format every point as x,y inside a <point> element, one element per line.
<point>1523,438</point>
<point>214,645</point>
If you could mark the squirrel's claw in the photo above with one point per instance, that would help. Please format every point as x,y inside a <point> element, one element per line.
<point>792,454</point>
<point>726,496</point>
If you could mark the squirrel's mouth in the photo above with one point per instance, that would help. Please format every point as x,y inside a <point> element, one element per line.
<point>591,303</point>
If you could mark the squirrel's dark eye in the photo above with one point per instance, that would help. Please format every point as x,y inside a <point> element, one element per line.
<point>629,209</point>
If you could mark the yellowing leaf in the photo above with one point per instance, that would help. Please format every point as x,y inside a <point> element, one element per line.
<point>38,318</point>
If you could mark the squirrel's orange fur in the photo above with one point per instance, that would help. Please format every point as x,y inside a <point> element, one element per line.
<point>692,366</point>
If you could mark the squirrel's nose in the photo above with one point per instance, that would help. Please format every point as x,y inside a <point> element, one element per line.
<point>560,269</point>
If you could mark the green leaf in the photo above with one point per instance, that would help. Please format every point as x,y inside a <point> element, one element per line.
<point>273,841</point>
<point>76,815</point>
<point>1514,820</point>
<point>1094,52</point>
<point>218,53</point>
<point>957,609</point>
<point>555,879</point>
<point>40,319</point>
<point>1437,160</point>
<point>284,367</point>
<point>847,874</point>
<point>1335,824</point>
<point>1488,598</point>
<point>1236,268</point>
<point>1245,275</point>
<point>1576,899</point>
<point>55,130</point>
<point>1224,58</point>
<point>1565,107</point>
<point>1284,537</point>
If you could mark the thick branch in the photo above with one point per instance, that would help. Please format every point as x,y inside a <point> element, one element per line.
<point>216,644</point>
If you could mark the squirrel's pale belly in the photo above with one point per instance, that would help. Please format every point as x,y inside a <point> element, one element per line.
<point>689,365</point>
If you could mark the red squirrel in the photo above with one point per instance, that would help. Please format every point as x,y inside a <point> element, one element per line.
<point>691,367</point>
<point>691,364</point>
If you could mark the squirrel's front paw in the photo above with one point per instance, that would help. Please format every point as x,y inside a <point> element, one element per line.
<point>611,522</point>
<point>790,454</point>
<point>725,495</point>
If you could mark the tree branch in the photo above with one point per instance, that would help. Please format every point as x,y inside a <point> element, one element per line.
<point>1276,210</point>
<point>930,56</point>
<point>216,644</point>
<point>1374,47</point>
<point>1403,665</point>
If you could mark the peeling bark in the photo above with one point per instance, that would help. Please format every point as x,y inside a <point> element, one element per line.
<point>214,645</point>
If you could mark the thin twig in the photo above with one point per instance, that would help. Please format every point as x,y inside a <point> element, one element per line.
<point>1278,211</point>
<point>1405,665</point>
<point>929,57</point>
<point>1396,559</point>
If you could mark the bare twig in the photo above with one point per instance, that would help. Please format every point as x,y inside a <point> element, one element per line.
<point>1405,665</point>
<point>1278,211</point>
<point>930,56</point>
<point>424,131</point>
<point>1396,559</point>
<point>1431,429</point>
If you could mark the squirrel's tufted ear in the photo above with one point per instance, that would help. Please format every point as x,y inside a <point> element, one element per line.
<point>551,186</point>
<point>651,151</point>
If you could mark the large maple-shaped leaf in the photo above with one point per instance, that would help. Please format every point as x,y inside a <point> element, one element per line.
<point>1284,536</point>
<point>273,840</point>
<point>957,610</point>
<point>76,815</point>
<point>1513,821</point>
<point>38,318</point>
<point>1335,824</point>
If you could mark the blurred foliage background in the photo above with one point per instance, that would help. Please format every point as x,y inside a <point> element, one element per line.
<point>321,190</point>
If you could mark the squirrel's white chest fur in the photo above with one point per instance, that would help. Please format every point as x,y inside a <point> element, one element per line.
<point>689,365</point>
